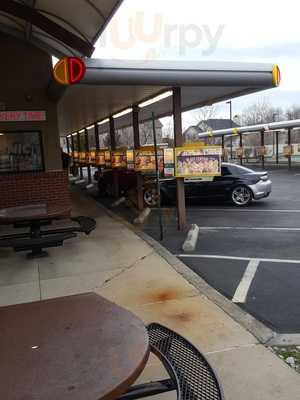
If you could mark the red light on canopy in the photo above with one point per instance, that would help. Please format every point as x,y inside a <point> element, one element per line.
<point>69,70</point>
<point>76,69</point>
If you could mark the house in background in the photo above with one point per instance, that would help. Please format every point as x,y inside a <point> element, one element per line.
<point>212,124</point>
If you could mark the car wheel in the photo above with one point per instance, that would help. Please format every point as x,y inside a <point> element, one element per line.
<point>150,197</point>
<point>241,196</point>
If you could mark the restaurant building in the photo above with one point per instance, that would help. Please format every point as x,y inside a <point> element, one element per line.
<point>36,111</point>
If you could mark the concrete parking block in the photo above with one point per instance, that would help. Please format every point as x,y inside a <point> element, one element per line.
<point>190,242</point>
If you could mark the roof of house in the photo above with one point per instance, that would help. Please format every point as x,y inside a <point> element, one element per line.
<point>218,123</point>
<point>210,124</point>
<point>192,130</point>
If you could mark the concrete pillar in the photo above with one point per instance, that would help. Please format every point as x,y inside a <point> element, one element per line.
<point>113,147</point>
<point>87,149</point>
<point>178,140</point>
<point>241,146</point>
<point>223,148</point>
<point>72,150</point>
<point>277,147</point>
<point>262,143</point>
<point>97,142</point>
<point>289,143</point>
<point>137,145</point>
<point>79,150</point>
<point>68,145</point>
<point>72,145</point>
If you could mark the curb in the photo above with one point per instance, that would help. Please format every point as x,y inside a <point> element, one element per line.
<point>261,332</point>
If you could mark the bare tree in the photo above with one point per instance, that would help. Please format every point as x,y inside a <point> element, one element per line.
<point>261,112</point>
<point>293,112</point>
<point>205,113</point>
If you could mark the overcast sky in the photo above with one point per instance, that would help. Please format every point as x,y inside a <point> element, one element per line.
<point>228,30</point>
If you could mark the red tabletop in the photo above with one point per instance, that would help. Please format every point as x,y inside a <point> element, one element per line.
<point>79,347</point>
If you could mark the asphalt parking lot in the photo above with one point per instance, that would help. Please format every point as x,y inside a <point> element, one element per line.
<point>250,255</point>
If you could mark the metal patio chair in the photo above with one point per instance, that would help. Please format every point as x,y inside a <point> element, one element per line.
<point>191,376</point>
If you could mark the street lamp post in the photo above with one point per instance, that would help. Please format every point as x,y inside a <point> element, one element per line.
<point>274,135</point>
<point>230,116</point>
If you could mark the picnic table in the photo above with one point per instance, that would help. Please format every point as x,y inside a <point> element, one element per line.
<point>31,213</point>
<point>70,348</point>
<point>85,347</point>
<point>34,217</point>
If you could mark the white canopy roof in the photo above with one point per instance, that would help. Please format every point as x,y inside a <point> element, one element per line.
<point>272,126</point>
<point>112,86</point>
<point>61,27</point>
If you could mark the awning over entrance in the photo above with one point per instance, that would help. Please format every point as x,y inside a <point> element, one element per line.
<point>112,86</point>
<point>59,27</point>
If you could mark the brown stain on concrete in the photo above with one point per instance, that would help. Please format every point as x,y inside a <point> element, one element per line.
<point>183,317</point>
<point>162,295</point>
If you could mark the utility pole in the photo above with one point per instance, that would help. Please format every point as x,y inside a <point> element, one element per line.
<point>230,117</point>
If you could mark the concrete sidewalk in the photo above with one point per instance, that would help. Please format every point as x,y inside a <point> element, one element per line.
<point>116,263</point>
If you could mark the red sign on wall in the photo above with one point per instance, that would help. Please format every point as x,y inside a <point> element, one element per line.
<point>22,116</point>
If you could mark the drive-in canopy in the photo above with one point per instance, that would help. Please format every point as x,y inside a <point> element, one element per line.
<point>112,86</point>
<point>61,27</point>
<point>272,126</point>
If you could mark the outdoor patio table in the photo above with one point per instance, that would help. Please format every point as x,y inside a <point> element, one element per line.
<point>76,347</point>
<point>31,213</point>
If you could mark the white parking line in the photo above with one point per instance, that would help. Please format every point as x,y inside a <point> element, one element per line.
<point>242,290</point>
<point>249,228</point>
<point>214,256</point>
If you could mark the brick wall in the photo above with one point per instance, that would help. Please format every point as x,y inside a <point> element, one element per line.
<point>33,188</point>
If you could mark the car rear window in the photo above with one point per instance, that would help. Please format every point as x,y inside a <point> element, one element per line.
<point>225,171</point>
<point>239,170</point>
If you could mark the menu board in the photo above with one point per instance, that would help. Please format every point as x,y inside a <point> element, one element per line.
<point>92,157</point>
<point>198,161</point>
<point>145,160</point>
<point>107,158</point>
<point>240,151</point>
<point>82,157</point>
<point>261,151</point>
<point>169,169</point>
<point>100,158</point>
<point>75,156</point>
<point>130,159</point>
<point>288,150</point>
<point>118,159</point>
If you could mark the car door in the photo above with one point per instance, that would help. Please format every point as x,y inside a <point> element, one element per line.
<point>195,188</point>
<point>221,185</point>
